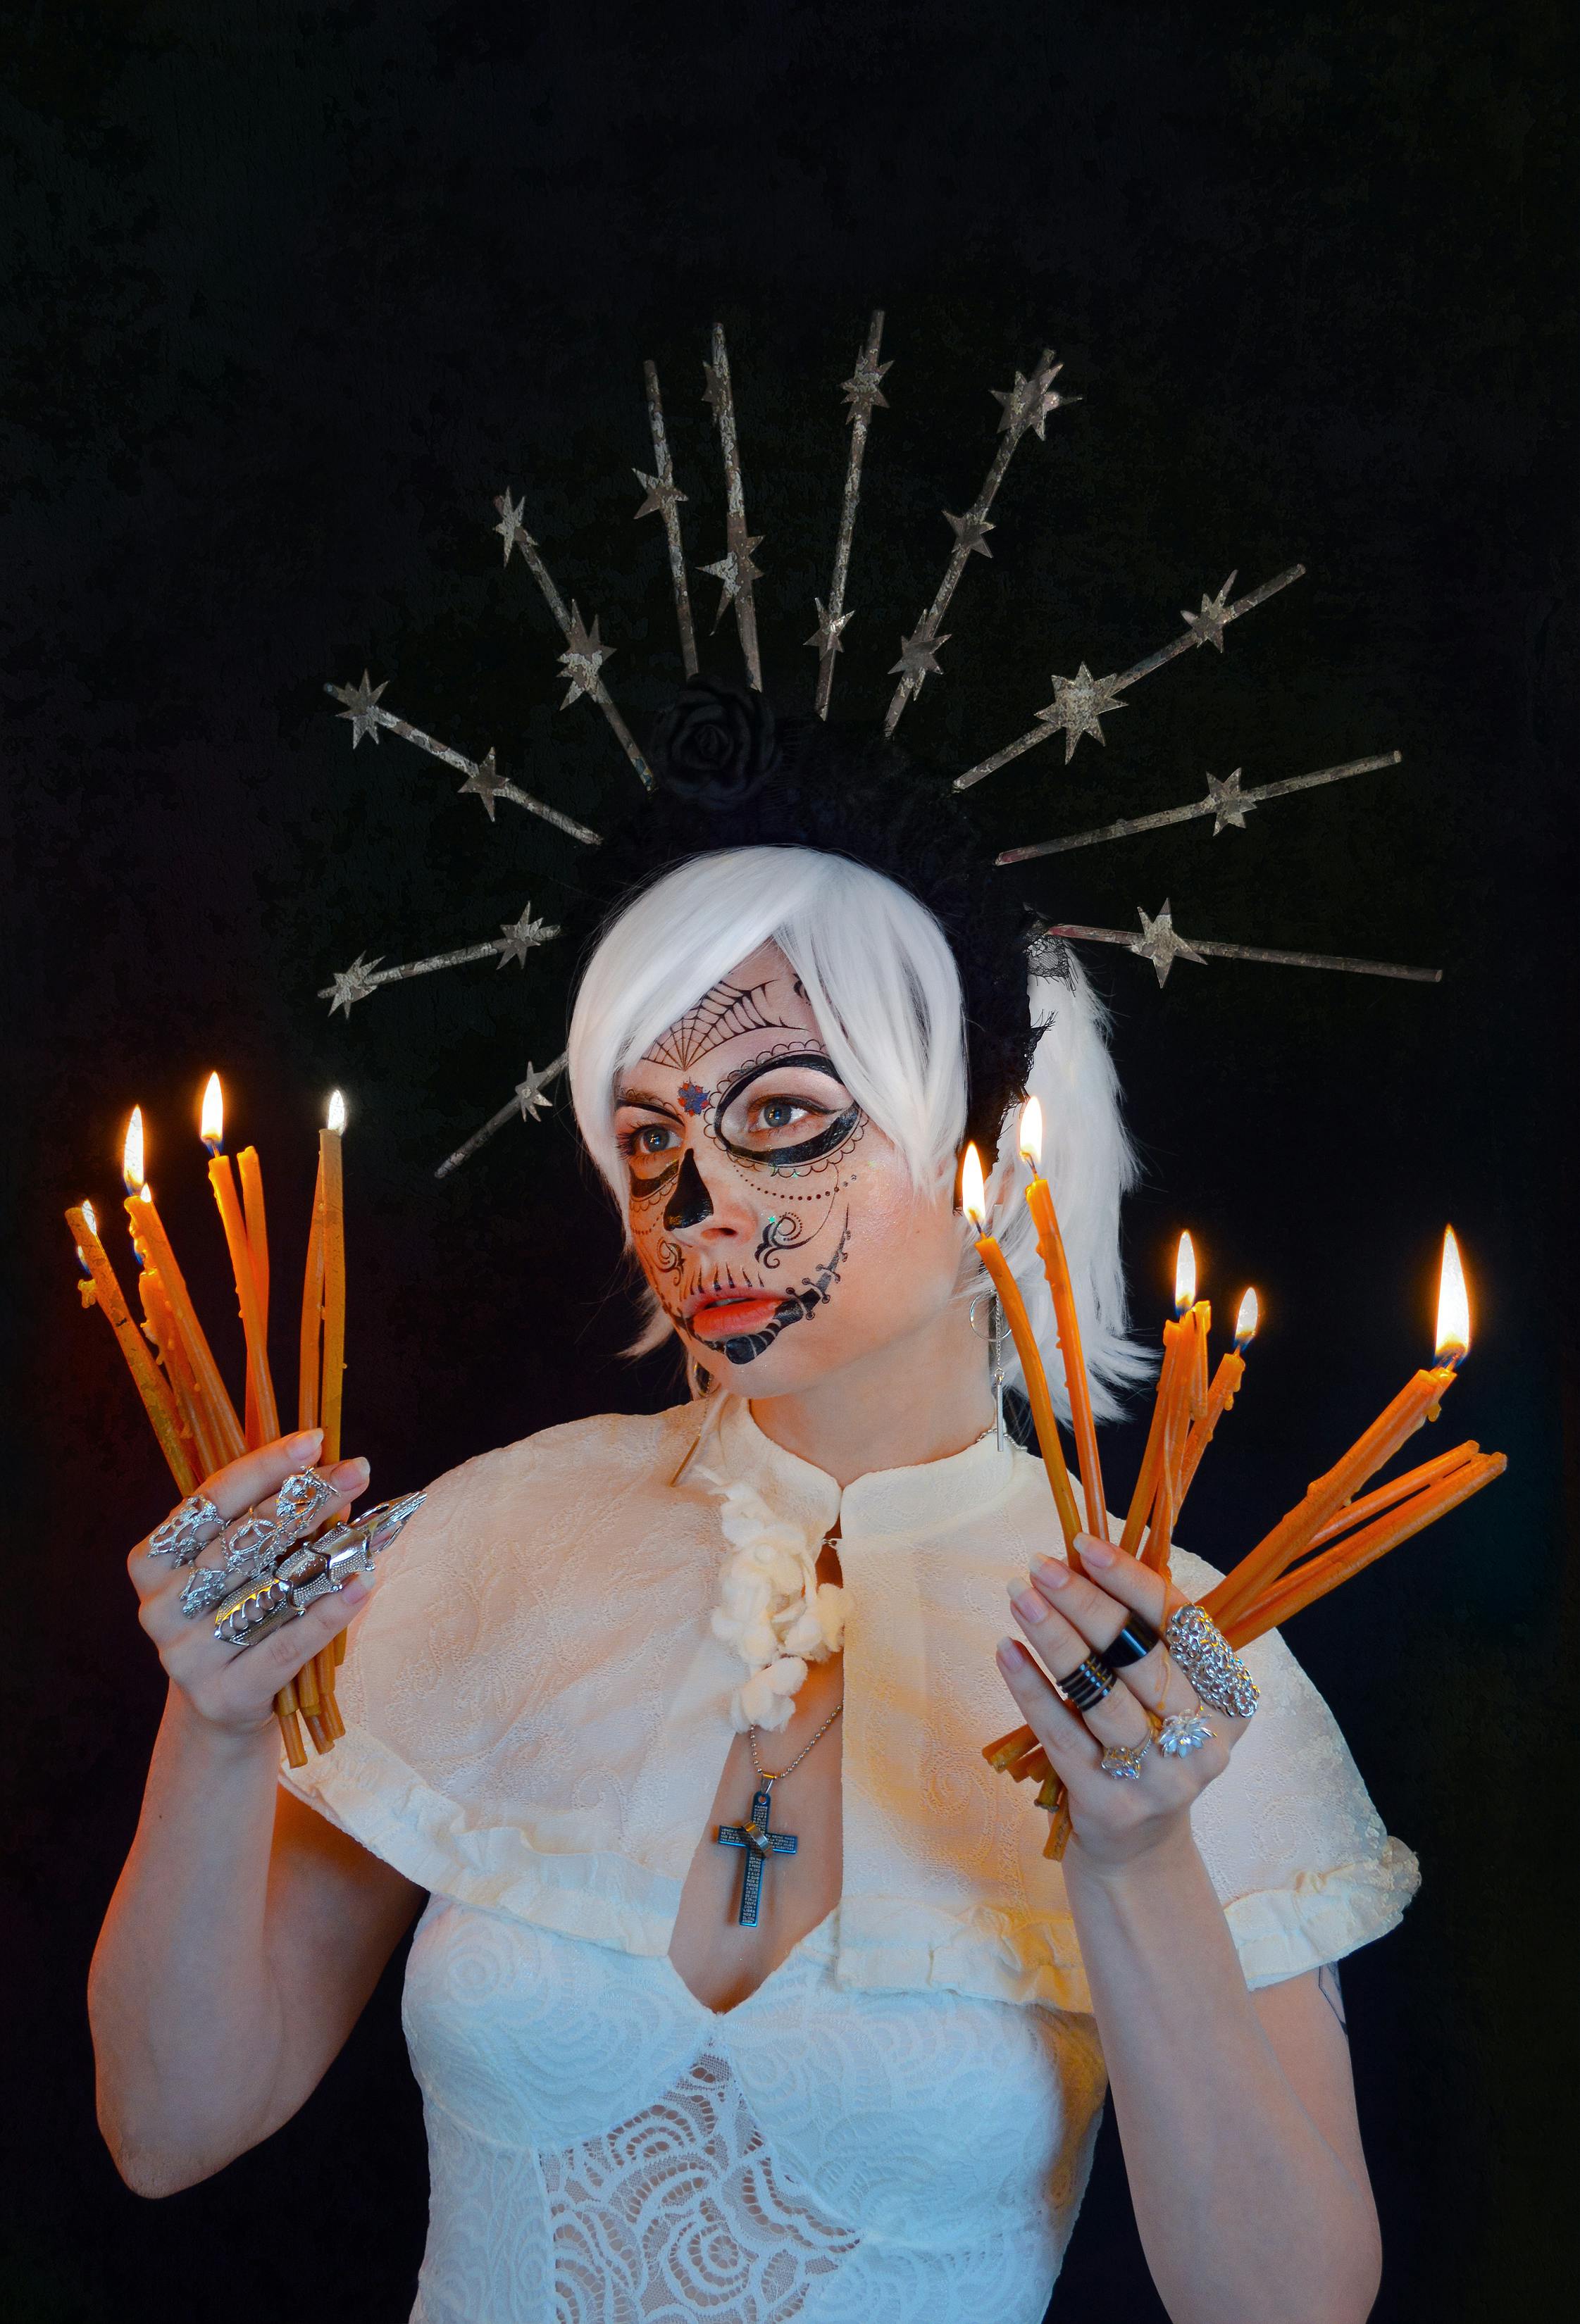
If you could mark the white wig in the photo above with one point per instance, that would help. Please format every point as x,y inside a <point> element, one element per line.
<point>881,981</point>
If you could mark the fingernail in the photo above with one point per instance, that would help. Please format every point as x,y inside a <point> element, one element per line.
<point>354,1593</point>
<point>306,1440</point>
<point>1052,1572</point>
<point>1009,1655</point>
<point>345,1471</point>
<point>1093,1551</point>
<point>1030,1604</point>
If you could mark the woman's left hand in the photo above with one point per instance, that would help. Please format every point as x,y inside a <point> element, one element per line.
<point>1065,1617</point>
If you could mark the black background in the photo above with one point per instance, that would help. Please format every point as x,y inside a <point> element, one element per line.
<point>289,297</point>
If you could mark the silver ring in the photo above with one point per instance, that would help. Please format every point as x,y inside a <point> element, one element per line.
<point>1187,1731</point>
<point>187,1530</point>
<point>252,1546</point>
<point>1123,1761</point>
<point>1210,1662</point>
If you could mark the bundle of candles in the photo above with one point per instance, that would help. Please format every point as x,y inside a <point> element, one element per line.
<point>182,1391</point>
<point>1326,1539</point>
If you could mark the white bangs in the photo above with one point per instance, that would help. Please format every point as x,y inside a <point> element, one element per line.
<point>881,981</point>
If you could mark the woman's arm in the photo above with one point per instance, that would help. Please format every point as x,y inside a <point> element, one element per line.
<point>245,1933</point>
<point>1236,2112</point>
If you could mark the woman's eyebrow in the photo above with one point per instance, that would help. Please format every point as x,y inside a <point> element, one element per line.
<point>647,1103</point>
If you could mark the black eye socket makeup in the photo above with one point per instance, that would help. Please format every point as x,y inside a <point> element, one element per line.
<point>784,1127</point>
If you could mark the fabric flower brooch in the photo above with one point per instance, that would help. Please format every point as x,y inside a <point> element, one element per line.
<point>771,1608</point>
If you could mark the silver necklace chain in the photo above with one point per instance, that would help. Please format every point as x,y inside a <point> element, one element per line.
<point>762,1774</point>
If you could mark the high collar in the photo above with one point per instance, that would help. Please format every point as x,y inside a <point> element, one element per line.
<point>906,1503</point>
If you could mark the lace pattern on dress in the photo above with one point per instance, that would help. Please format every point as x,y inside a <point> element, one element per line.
<point>679,2213</point>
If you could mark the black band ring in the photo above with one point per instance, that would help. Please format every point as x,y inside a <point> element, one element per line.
<point>1134,1644</point>
<point>1087,1683</point>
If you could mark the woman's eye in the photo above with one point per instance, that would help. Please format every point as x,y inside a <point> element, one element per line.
<point>781,1113</point>
<point>653,1138</point>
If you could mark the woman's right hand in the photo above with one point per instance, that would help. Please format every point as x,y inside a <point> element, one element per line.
<point>232,1689</point>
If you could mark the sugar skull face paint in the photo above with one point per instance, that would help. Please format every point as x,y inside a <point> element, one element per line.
<point>761,1198</point>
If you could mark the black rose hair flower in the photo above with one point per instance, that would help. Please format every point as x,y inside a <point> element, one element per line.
<point>716,745</point>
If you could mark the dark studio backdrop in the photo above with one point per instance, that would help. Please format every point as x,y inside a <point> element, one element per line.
<point>290,299</point>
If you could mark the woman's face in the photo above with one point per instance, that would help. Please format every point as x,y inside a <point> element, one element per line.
<point>777,1224</point>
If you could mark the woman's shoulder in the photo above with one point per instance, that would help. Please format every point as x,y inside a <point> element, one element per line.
<point>606,1451</point>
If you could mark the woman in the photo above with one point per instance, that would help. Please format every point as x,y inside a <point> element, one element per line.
<point>839,2052</point>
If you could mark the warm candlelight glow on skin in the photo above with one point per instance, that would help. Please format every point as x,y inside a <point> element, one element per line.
<point>1246,1322</point>
<point>1031,1131</point>
<point>1185,1276</point>
<point>212,1125</point>
<point>132,1152</point>
<point>1453,1304</point>
<point>973,1193</point>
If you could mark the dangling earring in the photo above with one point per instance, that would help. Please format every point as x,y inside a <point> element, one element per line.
<point>994,1329</point>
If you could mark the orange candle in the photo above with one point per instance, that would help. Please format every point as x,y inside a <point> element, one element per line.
<point>1178,1385</point>
<point>1398,1489</point>
<point>974,1202</point>
<point>1319,1575</point>
<point>1224,1389</point>
<point>263,1420</point>
<point>1055,1267</point>
<point>334,1239</point>
<point>1417,1401</point>
<point>159,1329</point>
<point>312,1314</point>
<point>157,1401</point>
<point>154,1247</point>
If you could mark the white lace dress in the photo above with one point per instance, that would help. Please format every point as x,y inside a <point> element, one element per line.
<point>897,2125</point>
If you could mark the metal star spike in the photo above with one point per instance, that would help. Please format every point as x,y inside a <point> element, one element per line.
<point>364,976</point>
<point>1206,628</point>
<point>1226,802</point>
<point>664,499</point>
<point>861,393</point>
<point>1026,407</point>
<point>1079,706</point>
<point>482,775</point>
<point>527,1101</point>
<point>583,653</point>
<point>1161,943</point>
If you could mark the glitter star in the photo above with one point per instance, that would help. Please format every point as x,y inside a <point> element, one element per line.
<point>520,935</point>
<point>738,572</point>
<point>584,656</point>
<point>530,1094</point>
<point>694,1097</point>
<point>354,983</point>
<point>1207,626</point>
<point>511,529</point>
<point>486,781</point>
<point>662,498</point>
<point>1079,706</point>
<point>1162,944</point>
<point>1227,804</point>
<point>969,531</point>
<point>826,637</point>
<point>919,656</point>
<point>359,701</point>
<point>1028,403</point>
<point>862,392</point>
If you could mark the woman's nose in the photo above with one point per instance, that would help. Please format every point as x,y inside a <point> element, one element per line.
<point>690,1205</point>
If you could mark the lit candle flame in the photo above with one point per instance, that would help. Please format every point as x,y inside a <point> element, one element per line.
<point>1185,1276</point>
<point>132,1152</point>
<point>1453,1305</point>
<point>89,1214</point>
<point>1032,1132</point>
<point>1246,1322</point>
<point>336,1114</point>
<point>973,1195</point>
<point>211,1126</point>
